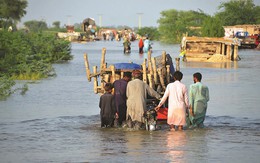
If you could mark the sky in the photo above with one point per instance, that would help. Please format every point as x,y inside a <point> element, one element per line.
<point>132,13</point>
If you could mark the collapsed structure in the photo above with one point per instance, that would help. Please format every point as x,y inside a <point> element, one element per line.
<point>206,48</point>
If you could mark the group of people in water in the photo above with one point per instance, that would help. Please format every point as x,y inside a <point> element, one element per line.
<point>185,108</point>
<point>144,45</point>
<point>127,102</point>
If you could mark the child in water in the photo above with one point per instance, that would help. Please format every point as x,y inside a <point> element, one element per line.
<point>107,107</point>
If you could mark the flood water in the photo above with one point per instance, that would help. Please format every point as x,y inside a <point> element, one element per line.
<point>57,120</point>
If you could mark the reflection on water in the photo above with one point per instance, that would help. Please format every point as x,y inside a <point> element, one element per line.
<point>134,143</point>
<point>175,143</point>
<point>219,65</point>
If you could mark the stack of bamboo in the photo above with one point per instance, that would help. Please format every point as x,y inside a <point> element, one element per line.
<point>155,70</point>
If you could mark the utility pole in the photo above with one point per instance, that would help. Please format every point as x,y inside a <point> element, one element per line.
<point>69,16</point>
<point>100,20</point>
<point>139,20</point>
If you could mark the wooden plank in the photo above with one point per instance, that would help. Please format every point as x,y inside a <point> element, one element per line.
<point>102,63</point>
<point>87,66</point>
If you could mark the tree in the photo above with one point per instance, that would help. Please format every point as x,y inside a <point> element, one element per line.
<point>212,27</point>
<point>152,32</point>
<point>78,27</point>
<point>170,26</point>
<point>56,24</point>
<point>35,25</point>
<point>257,14</point>
<point>11,11</point>
<point>174,24</point>
<point>236,12</point>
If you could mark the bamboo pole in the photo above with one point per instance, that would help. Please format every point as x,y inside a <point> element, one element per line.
<point>106,78</point>
<point>163,58</point>
<point>151,83</point>
<point>113,74</point>
<point>177,60</point>
<point>95,79</point>
<point>144,71</point>
<point>163,70</point>
<point>168,73</point>
<point>87,66</point>
<point>159,70</point>
<point>154,70</point>
<point>150,70</point>
<point>102,63</point>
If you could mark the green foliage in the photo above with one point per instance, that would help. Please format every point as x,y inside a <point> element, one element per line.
<point>170,26</point>
<point>212,27</point>
<point>236,12</point>
<point>152,32</point>
<point>35,26</point>
<point>6,85</point>
<point>78,27</point>
<point>174,24</point>
<point>11,11</point>
<point>24,89</point>
<point>30,55</point>
<point>257,14</point>
<point>56,24</point>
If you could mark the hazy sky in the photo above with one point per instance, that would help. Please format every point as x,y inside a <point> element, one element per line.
<point>113,12</point>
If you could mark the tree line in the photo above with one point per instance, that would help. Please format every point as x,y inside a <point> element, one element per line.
<point>29,56</point>
<point>26,55</point>
<point>174,24</point>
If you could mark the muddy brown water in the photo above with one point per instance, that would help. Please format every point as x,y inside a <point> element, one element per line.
<point>57,120</point>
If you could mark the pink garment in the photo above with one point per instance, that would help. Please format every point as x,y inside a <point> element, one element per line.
<point>178,101</point>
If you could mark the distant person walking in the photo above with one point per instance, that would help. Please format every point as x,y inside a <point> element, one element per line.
<point>127,45</point>
<point>141,46</point>
<point>147,45</point>
<point>199,96</point>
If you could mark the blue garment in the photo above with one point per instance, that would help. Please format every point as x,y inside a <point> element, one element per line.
<point>147,45</point>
